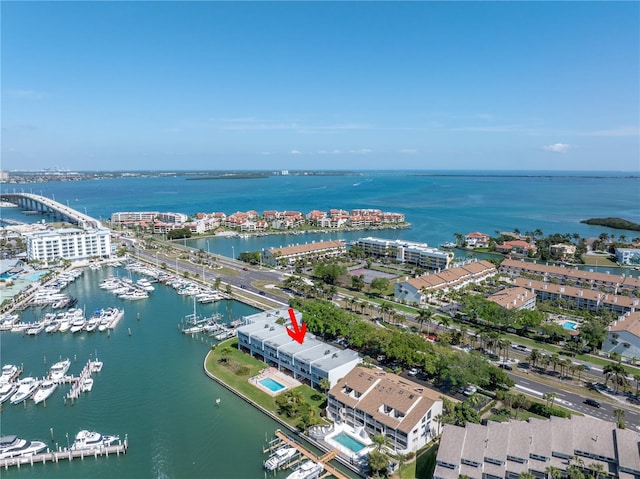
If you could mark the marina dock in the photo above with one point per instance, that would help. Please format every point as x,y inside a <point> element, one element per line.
<point>324,459</point>
<point>65,454</point>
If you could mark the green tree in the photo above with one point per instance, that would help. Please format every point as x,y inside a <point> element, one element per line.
<point>378,463</point>
<point>329,272</point>
<point>424,316</point>
<point>357,282</point>
<point>619,413</point>
<point>380,285</point>
<point>324,384</point>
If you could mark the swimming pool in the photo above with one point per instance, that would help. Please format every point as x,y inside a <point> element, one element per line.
<point>36,276</point>
<point>272,385</point>
<point>570,325</point>
<point>349,442</point>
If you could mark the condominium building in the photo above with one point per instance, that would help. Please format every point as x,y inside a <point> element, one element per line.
<point>629,256</point>
<point>133,216</point>
<point>418,290</point>
<point>514,298</point>
<point>537,446</point>
<point>68,243</point>
<point>311,361</point>
<point>589,299</point>
<point>587,279</point>
<point>407,252</point>
<point>623,336</point>
<point>386,404</point>
<point>290,254</point>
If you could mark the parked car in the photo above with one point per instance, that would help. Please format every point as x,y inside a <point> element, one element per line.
<point>469,390</point>
<point>413,372</point>
<point>506,366</point>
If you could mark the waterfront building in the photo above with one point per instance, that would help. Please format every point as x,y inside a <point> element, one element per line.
<point>623,336</point>
<point>133,217</point>
<point>385,404</point>
<point>629,256</point>
<point>515,299</point>
<point>418,290</point>
<point>407,252</point>
<point>309,362</point>
<point>289,255</point>
<point>589,299</point>
<point>69,243</point>
<point>562,252</point>
<point>586,279</point>
<point>508,449</point>
<point>516,248</point>
<point>476,240</point>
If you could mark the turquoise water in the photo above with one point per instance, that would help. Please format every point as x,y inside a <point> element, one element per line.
<point>349,442</point>
<point>152,388</point>
<point>36,276</point>
<point>271,384</point>
<point>570,325</point>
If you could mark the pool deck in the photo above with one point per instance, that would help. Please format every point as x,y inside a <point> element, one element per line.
<point>272,373</point>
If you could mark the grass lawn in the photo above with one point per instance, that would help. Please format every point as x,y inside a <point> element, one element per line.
<point>234,368</point>
<point>597,260</point>
<point>425,463</point>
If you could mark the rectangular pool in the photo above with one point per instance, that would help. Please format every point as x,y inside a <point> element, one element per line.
<point>272,385</point>
<point>349,442</point>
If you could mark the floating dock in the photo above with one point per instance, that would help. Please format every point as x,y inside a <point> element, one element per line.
<point>65,454</point>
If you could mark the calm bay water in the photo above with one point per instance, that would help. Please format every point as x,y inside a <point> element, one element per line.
<point>152,386</point>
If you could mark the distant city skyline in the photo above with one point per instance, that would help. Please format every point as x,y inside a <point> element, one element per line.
<point>321,85</point>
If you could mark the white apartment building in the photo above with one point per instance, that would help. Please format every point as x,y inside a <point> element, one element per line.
<point>407,252</point>
<point>385,404</point>
<point>623,336</point>
<point>309,362</point>
<point>69,243</point>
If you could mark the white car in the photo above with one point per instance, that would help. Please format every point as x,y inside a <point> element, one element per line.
<point>413,372</point>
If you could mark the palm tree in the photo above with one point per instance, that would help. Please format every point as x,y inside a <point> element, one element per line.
<point>534,357</point>
<point>424,315</point>
<point>550,398</point>
<point>381,441</point>
<point>553,472</point>
<point>636,378</point>
<point>526,475</point>
<point>619,415</point>
<point>597,469</point>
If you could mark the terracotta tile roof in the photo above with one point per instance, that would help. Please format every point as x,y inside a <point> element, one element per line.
<point>630,323</point>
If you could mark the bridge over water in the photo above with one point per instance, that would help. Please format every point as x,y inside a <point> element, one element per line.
<point>42,204</point>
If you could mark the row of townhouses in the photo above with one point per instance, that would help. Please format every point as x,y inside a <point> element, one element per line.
<point>419,289</point>
<point>509,449</point>
<point>289,255</point>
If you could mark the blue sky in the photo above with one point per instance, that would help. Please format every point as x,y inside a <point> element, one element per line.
<point>320,85</point>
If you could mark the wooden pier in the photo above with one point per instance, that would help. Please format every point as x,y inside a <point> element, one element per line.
<point>65,454</point>
<point>324,460</point>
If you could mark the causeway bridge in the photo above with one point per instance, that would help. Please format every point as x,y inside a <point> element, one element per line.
<point>42,204</point>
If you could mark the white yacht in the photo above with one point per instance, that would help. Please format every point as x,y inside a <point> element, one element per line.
<point>92,323</point>
<point>307,470</point>
<point>26,387</point>
<point>92,440</point>
<point>59,369</point>
<point>8,373</point>
<point>78,325</point>
<point>145,284</point>
<point>279,458</point>
<point>46,389</point>
<point>35,328</point>
<point>87,385</point>
<point>52,327</point>
<point>6,391</point>
<point>134,294</point>
<point>64,325</point>
<point>8,320</point>
<point>13,446</point>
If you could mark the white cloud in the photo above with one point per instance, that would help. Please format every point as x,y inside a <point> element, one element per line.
<point>362,151</point>
<point>620,131</point>
<point>265,153</point>
<point>408,151</point>
<point>557,147</point>
<point>296,152</point>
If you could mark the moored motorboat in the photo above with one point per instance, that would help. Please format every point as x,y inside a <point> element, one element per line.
<point>13,446</point>
<point>59,369</point>
<point>307,470</point>
<point>279,458</point>
<point>45,390</point>
<point>78,325</point>
<point>35,328</point>
<point>92,440</point>
<point>9,371</point>
<point>6,391</point>
<point>26,387</point>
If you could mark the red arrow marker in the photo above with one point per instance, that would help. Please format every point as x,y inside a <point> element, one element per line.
<point>298,333</point>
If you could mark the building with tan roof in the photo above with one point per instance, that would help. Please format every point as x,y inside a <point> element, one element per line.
<point>514,298</point>
<point>476,240</point>
<point>586,279</point>
<point>516,247</point>
<point>506,450</point>
<point>589,299</point>
<point>290,254</point>
<point>623,336</point>
<point>418,290</point>
<point>383,403</point>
